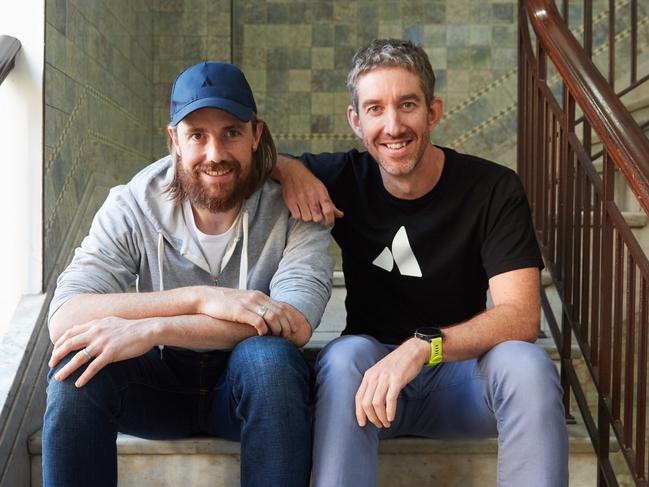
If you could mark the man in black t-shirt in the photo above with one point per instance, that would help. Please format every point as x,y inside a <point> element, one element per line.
<point>424,232</point>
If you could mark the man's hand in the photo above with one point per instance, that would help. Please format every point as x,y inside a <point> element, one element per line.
<point>305,196</point>
<point>376,399</point>
<point>254,308</point>
<point>101,342</point>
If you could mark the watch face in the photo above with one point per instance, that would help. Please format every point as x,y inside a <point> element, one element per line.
<point>428,332</point>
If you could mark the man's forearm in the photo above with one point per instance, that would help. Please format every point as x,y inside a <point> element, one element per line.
<point>204,332</point>
<point>113,339</point>
<point>282,165</point>
<point>176,315</point>
<point>132,306</point>
<point>515,316</point>
<point>475,337</point>
<point>200,332</point>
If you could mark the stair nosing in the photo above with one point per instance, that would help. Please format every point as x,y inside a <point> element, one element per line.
<point>579,442</point>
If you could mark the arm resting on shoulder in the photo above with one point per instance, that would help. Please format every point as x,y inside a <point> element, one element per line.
<point>304,194</point>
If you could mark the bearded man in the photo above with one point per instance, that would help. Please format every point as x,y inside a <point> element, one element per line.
<point>229,286</point>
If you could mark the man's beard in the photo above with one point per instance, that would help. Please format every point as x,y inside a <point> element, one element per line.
<point>215,197</point>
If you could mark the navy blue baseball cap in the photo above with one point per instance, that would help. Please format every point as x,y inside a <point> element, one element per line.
<point>215,85</point>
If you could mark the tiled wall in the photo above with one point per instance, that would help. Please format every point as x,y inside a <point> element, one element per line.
<point>185,32</point>
<point>110,65</point>
<point>297,54</point>
<point>98,111</point>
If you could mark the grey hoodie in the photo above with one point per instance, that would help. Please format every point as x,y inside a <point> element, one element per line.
<point>139,237</point>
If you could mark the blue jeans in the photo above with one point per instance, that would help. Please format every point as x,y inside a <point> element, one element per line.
<point>512,392</point>
<point>259,395</point>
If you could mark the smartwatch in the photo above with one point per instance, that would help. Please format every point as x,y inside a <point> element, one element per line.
<point>433,335</point>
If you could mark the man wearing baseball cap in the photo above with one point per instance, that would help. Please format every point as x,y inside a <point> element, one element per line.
<point>228,287</point>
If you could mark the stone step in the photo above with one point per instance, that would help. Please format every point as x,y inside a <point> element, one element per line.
<point>635,219</point>
<point>339,279</point>
<point>403,462</point>
<point>546,278</point>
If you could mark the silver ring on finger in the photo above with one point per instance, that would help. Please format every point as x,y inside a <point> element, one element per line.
<point>87,354</point>
<point>261,311</point>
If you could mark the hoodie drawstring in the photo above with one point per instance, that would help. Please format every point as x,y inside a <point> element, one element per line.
<point>243,263</point>
<point>161,248</point>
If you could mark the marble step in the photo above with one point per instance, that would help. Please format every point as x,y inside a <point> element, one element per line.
<point>403,462</point>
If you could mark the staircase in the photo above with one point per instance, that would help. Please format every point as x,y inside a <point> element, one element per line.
<point>403,461</point>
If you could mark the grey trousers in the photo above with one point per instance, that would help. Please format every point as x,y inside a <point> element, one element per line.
<point>512,392</point>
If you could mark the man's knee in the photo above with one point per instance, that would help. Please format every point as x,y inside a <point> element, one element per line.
<point>271,360</point>
<point>65,398</point>
<point>524,369</point>
<point>524,358</point>
<point>348,357</point>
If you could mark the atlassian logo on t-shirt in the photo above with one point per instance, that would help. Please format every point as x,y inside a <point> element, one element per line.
<point>402,254</point>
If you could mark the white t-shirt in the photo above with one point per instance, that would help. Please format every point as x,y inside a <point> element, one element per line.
<point>212,246</point>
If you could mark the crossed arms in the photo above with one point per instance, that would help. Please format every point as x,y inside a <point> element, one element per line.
<point>93,314</point>
<point>114,327</point>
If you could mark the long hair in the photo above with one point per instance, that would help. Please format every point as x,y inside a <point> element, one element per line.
<point>263,162</point>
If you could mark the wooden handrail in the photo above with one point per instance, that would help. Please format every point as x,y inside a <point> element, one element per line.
<point>9,47</point>
<point>599,268</point>
<point>628,146</point>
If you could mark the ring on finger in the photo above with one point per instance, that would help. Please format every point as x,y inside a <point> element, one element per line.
<point>87,354</point>
<point>261,311</point>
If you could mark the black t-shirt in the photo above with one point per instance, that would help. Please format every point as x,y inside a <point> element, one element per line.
<point>412,263</point>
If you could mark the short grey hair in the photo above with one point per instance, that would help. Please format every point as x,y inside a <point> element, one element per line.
<point>400,53</point>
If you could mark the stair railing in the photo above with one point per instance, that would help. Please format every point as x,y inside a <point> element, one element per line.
<point>600,271</point>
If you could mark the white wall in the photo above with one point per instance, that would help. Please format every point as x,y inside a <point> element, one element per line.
<point>21,156</point>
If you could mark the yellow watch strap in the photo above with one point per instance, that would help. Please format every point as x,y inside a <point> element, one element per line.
<point>435,352</point>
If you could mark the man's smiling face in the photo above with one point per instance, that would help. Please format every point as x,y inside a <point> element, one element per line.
<point>215,158</point>
<point>394,121</point>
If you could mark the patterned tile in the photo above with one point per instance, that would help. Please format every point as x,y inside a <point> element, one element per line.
<point>297,12</point>
<point>300,124</point>
<point>322,103</point>
<point>327,80</point>
<point>278,14</point>
<point>295,55</point>
<point>321,124</point>
<point>96,56</point>
<point>323,35</point>
<point>322,58</point>
<point>319,11</point>
<point>503,12</point>
<point>299,80</point>
<point>56,11</point>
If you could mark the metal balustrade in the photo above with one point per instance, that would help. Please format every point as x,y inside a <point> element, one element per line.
<point>600,271</point>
